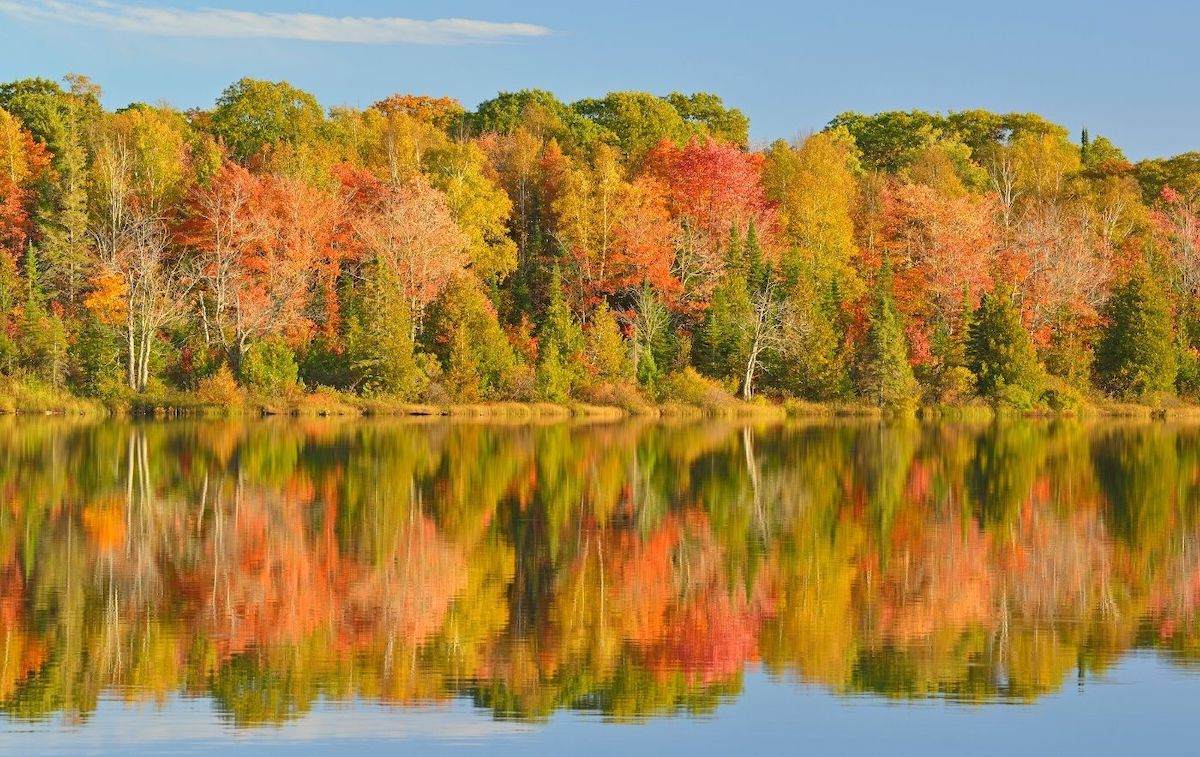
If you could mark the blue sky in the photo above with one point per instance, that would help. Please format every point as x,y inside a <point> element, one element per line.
<point>1130,73</point>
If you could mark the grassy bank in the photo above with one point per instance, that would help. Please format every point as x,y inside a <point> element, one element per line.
<point>18,398</point>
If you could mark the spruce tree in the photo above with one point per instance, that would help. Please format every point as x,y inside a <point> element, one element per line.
<point>885,378</point>
<point>1000,353</point>
<point>562,338</point>
<point>379,341</point>
<point>811,364</point>
<point>553,377</point>
<point>464,308</point>
<point>1136,355</point>
<point>462,367</point>
<point>607,352</point>
<point>722,344</point>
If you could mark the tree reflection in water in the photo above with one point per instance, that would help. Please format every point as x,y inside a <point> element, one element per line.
<point>632,569</point>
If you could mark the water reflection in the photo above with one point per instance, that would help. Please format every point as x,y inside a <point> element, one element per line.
<point>631,569</point>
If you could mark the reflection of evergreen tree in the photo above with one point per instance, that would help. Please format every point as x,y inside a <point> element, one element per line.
<point>1001,473</point>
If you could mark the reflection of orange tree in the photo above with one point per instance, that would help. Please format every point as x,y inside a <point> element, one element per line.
<point>23,652</point>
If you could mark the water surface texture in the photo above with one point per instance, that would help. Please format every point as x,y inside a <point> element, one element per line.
<point>313,587</point>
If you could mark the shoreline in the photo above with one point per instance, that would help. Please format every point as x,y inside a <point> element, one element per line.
<point>64,404</point>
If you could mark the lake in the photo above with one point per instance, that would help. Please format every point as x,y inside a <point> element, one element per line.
<point>314,587</point>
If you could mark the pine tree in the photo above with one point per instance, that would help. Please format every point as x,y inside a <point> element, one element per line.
<point>722,344</point>
<point>950,379</point>
<point>755,266</point>
<point>464,310</point>
<point>1001,354</point>
<point>462,368</point>
<point>607,352</point>
<point>561,337</point>
<point>811,364</point>
<point>1136,355</point>
<point>553,377</point>
<point>885,378</point>
<point>379,341</point>
<point>64,222</point>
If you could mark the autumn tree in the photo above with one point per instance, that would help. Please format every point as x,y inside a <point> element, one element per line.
<point>442,112</point>
<point>23,165</point>
<point>711,188</point>
<point>143,283</point>
<point>412,234</point>
<point>940,248</point>
<point>815,189</point>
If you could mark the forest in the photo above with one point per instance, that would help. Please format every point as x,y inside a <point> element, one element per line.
<point>628,250</point>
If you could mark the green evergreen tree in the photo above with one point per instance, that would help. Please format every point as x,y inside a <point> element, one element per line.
<point>462,378</point>
<point>1001,355</point>
<point>723,342</point>
<point>553,377</point>
<point>885,378</point>
<point>41,334</point>
<point>464,308</point>
<point>811,364</point>
<point>562,338</point>
<point>42,344</point>
<point>608,353</point>
<point>755,269</point>
<point>1136,356</point>
<point>99,359</point>
<point>269,367</point>
<point>379,343</point>
<point>10,289</point>
<point>64,219</point>
<point>722,345</point>
<point>949,378</point>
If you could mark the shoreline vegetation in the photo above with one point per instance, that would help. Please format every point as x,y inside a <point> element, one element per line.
<point>534,259</point>
<point>22,400</point>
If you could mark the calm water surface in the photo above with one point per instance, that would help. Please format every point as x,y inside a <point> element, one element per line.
<point>323,587</point>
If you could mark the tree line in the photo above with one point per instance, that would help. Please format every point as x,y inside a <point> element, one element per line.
<point>623,249</point>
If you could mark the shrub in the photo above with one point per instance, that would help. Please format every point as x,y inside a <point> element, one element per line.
<point>270,367</point>
<point>1061,397</point>
<point>690,388</point>
<point>220,389</point>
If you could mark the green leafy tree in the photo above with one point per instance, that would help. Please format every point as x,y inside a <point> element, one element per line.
<point>638,120</point>
<point>379,342</point>
<point>464,333</point>
<point>252,115</point>
<point>462,378</point>
<point>811,363</point>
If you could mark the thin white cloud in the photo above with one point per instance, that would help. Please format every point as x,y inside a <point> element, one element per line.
<point>218,22</point>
